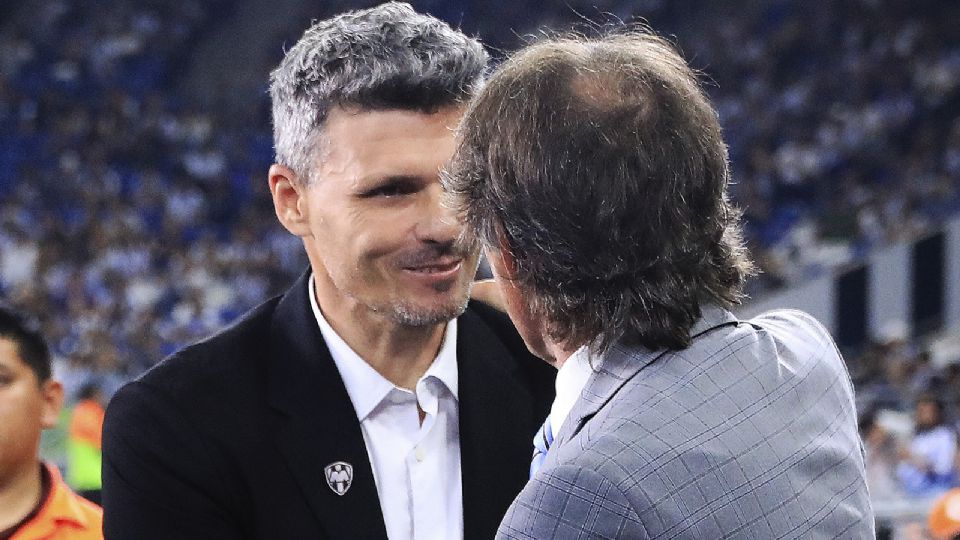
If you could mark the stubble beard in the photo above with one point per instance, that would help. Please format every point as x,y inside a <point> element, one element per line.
<point>409,314</point>
<point>413,315</point>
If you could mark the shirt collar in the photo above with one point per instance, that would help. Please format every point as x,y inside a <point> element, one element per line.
<point>444,367</point>
<point>365,386</point>
<point>61,505</point>
<point>571,379</point>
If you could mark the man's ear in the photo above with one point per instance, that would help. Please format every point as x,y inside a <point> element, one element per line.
<point>289,200</point>
<point>502,262</point>
<point>52,392</point>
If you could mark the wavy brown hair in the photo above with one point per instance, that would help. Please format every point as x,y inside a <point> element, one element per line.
<point>600,163</point>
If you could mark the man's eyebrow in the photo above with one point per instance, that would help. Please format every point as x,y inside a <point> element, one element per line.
<point>396,178</point>
<point>374,184</point>
<point>374,181</point>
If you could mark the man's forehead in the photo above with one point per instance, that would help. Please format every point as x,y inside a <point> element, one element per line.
<point>389,139</point>
<point>354,118</point>
<point>9,354</point>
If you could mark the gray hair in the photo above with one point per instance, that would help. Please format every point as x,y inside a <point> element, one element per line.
<point>386,57</point>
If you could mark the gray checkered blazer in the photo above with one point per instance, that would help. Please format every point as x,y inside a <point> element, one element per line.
<point>750,432</point>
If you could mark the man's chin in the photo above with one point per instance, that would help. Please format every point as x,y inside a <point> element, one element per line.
<point>411,314</point>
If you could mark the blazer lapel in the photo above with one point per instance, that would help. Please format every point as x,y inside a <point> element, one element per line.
<point>496,426</point>
<point>619,364</point>
<point>320,426</point>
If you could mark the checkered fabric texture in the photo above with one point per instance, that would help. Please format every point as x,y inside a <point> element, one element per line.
<point>749,433</point>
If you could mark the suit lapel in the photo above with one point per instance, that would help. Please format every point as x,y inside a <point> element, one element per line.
<point>619,364</point>
<point>615,368</point>
<point>496,426</point>
<point>320,426</point>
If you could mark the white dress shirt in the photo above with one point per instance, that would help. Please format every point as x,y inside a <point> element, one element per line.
<point>571,378</point>
<point>416,466</point>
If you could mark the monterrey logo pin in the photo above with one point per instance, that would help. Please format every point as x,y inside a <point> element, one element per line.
<point>339,476</point>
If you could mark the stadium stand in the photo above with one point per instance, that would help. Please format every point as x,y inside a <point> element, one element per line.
<point>135,218</point>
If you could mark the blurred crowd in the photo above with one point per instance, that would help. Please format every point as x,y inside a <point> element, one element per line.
<point>910,415</point>
<point>843,118</point>
<point>129,222</point>
<point>842,122</point>
<point>133,222</point>
<point>909,408</point>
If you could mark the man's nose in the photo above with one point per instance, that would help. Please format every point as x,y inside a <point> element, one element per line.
<point>438,222</point>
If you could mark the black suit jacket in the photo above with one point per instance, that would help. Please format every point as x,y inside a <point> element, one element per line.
<point>229,438</point>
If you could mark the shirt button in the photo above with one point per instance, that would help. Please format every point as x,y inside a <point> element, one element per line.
<point>420,454</point>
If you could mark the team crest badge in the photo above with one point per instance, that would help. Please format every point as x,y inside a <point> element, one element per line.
<point>339,476</point>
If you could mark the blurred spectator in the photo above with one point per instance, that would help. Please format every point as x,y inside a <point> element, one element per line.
<point>880,458</point>
<point>927,463</point>
<point>944,519</point>
<point>84,444</point>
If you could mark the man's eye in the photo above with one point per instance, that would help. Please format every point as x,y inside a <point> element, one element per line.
<point>391,191</point>
<point>394,189</point>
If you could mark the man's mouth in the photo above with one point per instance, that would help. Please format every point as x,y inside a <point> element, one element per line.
<point>435,267</point>
<point>435,270</point>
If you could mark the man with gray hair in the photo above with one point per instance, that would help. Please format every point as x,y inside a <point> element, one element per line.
<point>370,400</point>
<point>595,174</point>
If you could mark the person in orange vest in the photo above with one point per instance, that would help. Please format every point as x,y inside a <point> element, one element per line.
<point>944,519</point>
<point>83,444</point>
<point>35,503</point>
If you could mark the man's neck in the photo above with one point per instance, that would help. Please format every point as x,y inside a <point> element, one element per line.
<point>19,495</point>
<point>559,352</point>
<point>400,353</point>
